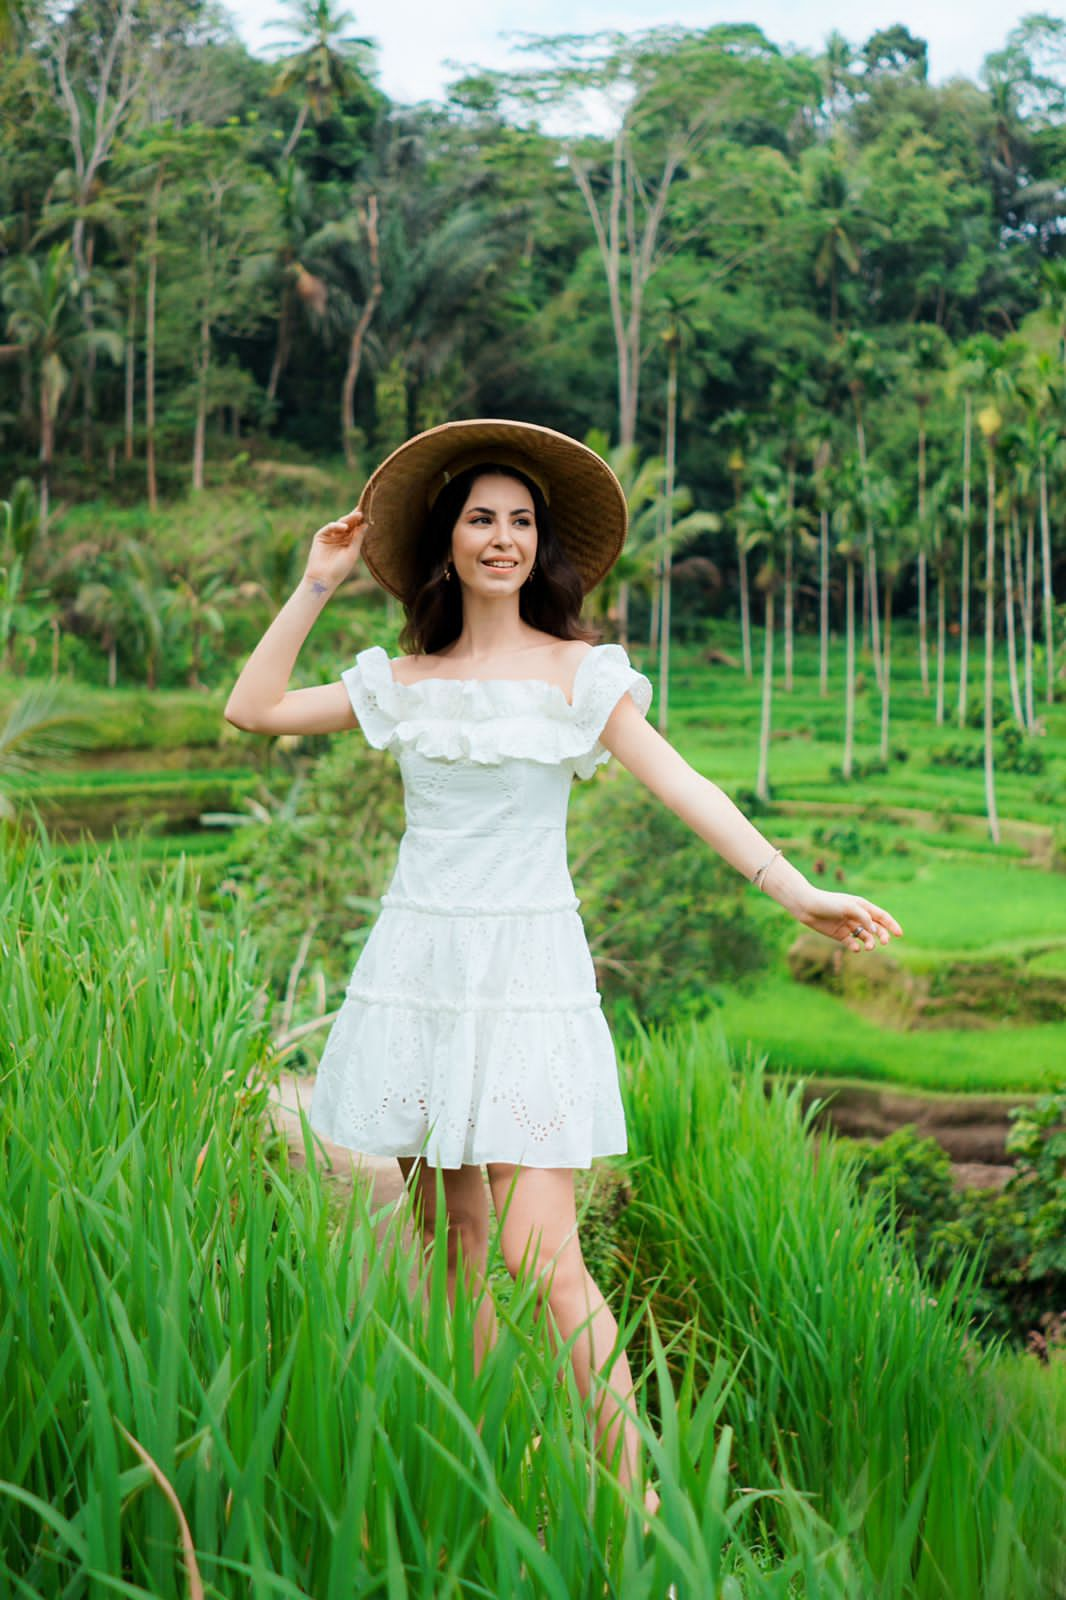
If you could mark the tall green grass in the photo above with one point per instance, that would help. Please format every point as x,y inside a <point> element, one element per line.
<point>218,1377</point>
<point>855,1382</point>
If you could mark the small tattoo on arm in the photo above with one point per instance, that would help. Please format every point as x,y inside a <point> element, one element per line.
<point>318,586</point>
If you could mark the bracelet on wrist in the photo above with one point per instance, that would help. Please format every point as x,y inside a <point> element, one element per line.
<point>760,874</point>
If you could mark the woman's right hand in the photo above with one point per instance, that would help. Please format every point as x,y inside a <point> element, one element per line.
<point>335,550</point>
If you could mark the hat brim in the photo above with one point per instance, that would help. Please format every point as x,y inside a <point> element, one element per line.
<point>588,505</point>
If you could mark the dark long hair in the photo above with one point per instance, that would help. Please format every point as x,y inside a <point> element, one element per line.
<point>433,609</point>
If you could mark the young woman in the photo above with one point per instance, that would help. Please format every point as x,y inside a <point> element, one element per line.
<point>471,1031</point>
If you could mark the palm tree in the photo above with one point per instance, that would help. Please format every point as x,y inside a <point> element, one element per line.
<point>639,566</point>
<point>739,427</point>
<point>835,217</point>
<point>45,320</point>
<point>1041,389</point>
<point>197,605</point>
<point>42,725</point>
<point>766,518</point>
<point>928,345</point>
<point>965,377</point>
<point>299,286</point>
<point>326,64</point>
<point>793,395</point>
<point>847,520</point>
<point>677,330</point>
<point>820,445</point>
<point>990,423</point>
<point>898,539</point>
<point>861,363</point>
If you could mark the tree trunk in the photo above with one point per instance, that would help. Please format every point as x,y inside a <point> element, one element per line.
<point>1045,557</point>
<point>745,588</point>
<point>823,604</point>
<point>849,667</point>
<point>131,360</point>
<point>762,782</point>
<point>1028,620</point>
<point>112,661</point>
<point>886,674</point>
<point>941,637</point>
<point>281,348</point>
<point>870,570</point>
<point>355,348</point>
<point>149,340</point>
<point>200,430</point>
<point>990,593</point>
<point>46,454</point>
<point>791,499</point>
<point>923,642</point>
<point>1008,606</point>
<point>657,588</point>
<point>668,528</point>
<point>964,580</point>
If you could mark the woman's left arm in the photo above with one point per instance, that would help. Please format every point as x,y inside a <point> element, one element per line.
<point>709,812</point>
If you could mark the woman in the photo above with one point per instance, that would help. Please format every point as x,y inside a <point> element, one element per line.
<point>471,1031</point>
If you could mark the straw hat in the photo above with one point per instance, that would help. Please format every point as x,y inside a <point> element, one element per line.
<point>588,504</point>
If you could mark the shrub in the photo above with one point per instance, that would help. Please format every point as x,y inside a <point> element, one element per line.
<point>1019,1232</point>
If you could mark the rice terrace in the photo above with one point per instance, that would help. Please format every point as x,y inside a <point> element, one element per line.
<point>806,306</point>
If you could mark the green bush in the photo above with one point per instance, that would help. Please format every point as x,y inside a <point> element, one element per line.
<point>1014,752</point>
<point>1019,1232</point>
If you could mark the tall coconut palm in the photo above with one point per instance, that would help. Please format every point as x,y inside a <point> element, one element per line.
<point>1042,389</point>
<point>822,451</point>
<point>677,331</point>
<point>640,563</point>
<point>990,422</point>
<point>739,429</point>
<point>848,525</point>
<point>793,397</point>
<point>899,538</point>
<point>926,357</point>
<point>862,366</point>
<point>323,64</point>
<point>43,301</point>
<point>766,519</point>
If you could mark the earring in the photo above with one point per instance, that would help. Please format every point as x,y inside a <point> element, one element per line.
<point>532,570</point>
<point>447,572</point>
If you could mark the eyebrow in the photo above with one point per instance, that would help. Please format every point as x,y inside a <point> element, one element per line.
<point>519,511</point>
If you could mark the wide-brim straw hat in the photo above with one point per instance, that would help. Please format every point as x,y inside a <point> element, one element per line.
<point>587,503</point>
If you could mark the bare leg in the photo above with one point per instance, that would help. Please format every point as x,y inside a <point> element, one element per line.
<point>468,1236</point>
<point>537,1215</point>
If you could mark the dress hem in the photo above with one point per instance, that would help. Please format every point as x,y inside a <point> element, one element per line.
<point>478,1160</point>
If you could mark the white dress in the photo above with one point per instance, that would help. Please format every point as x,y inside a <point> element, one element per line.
<point>471,1029</point>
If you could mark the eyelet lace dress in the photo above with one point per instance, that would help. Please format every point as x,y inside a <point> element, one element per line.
<point>471,1029</point>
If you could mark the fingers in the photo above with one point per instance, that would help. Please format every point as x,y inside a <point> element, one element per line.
<point>342,530</point>
<point>867,924</point>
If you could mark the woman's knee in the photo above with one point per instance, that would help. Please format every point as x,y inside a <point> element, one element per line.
<point>465,1203</point>
<point>538,1227</point>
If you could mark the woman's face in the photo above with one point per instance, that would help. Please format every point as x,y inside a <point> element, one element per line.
<point>497,523</point>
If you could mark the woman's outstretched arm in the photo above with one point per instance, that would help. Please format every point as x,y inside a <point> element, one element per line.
<point>711,814</point>
<point>261,701</point>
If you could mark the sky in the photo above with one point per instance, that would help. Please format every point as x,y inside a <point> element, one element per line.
<point>418,38</point>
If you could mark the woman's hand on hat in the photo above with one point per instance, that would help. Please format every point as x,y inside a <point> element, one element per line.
<point>335,550</point>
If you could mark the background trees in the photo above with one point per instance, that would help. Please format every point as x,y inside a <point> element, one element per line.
<point>825,263</point>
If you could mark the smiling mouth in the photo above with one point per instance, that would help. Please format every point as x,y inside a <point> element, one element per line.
<point>500,566</point>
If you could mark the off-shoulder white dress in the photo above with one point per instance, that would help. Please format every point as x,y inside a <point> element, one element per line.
<point>471,1029</point>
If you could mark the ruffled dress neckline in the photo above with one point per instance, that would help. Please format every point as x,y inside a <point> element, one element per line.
<point>489,720</point>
